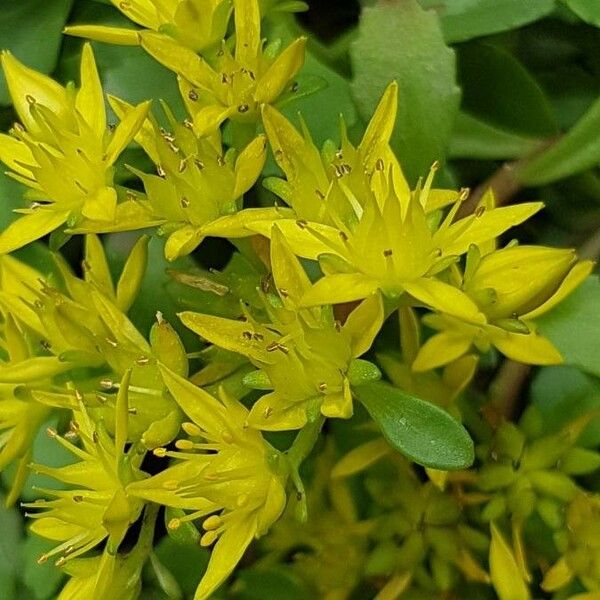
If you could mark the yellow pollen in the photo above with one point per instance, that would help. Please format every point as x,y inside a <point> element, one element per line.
<point>174,524</point>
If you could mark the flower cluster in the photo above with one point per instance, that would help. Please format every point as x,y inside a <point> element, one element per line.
<point>353,248</point>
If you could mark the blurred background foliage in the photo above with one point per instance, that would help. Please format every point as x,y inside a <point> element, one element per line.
<point>500,91</point>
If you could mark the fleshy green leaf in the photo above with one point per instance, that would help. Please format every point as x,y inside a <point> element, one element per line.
<point>467,19</point>
<point>574,327</point>
<point>421,431</point>
<point>399,40</point>
<point>577,151</point>
<point>585,9</point>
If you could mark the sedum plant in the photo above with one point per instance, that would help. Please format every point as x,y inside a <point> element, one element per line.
<point>270,357</point>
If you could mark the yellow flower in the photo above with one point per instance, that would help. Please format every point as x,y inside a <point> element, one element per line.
<point>238,84</point>
<point>195,24</point>
<point>226,471</point>
<point>98,507</point>
<point>367,228</point>
<point>63,152</point>
<point>304,355</point>
<point>109,576</point>
<point>511,287</point>
<point>197,192</point>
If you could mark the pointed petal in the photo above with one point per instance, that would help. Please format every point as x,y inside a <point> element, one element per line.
<point>183,61</point>
<point>133,274</point>
<point>381,126</point>
<point>530,349</point>
<point>29,228</point>
<point>247,31</point>
<point>14,153</point>
<point>273,412</point>
<point>126,131</point>
<point>440,349</point>
<point>96,266</point>
<point>300,237</point>
<point>27,86</point>
<point>445,298</point>
<point>574,278</point>
<point>504,571</point>
<point>287,270</point>
<point>281,72</point>
<point>183,241</point>
<point>239,224</point>
<point>205,410</point>
<point>474,229</point>
<point>226,554</point>
<point>249,165</point>
<point>101,206</point>
<point>363,324</point>
<point>338,288</point>
<point>209,118</point>
<point>227,333</point>
<point>90,97</point>
<point>102,33</point>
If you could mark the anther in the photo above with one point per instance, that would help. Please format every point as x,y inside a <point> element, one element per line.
<point>213,522</point>
<point>106,384</point>
<point>51,432</point>
<point>380,165</point>
<point>193,95</point>
<point>295,86</point>
<point>142,360</point>
<point>184,445</point>
<point>243,108</point>
<point>322,387</point>
<point>30,99</point>
<point>160,452</point>
<point>174,524</point>
<point>184,202</point>
<point>208,538</point>
<point>387,253</point>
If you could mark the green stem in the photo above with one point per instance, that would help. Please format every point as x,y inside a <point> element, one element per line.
<point>305,441</point>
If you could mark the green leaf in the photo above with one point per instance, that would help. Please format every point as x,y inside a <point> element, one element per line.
<point>467,19</point>
<point>11,540</point>
<point>587,10</point>
<point>32,31</point>
<point>497,87</point>
<point>577,151</point>
<point>473,138</point>
<point>275,582</point>
<point>563,394</point>
<point>399,40</point>
<point>574,327</point>
<point>421,431</point>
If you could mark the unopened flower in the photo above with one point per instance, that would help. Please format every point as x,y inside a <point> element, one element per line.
<point>238,84</point>
<point>303,355</point>
<point>63,152</point>
<point>226,474</point>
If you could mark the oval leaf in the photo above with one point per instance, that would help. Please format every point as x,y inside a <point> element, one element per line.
<point>421,431</point>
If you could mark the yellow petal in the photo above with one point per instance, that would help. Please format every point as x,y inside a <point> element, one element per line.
<point>381,126</point>
<point>209,118</point>
<point>574,278</point>
<point>445,298</point>
<point>361,458</point>
<point>273,412</point>
<point>281,72</point>
<point>227,333</point>
<point>27,86</point>
<point>531,349</point>
<point>301,238</point>
<point>101,206</point>
<point>249,165</point>
<point>504,571</point>
<point>126,131</point>
<point>247,31</point>
<point>133,274</point>
<point>205,410</point>
<point>103,33</point>
<point>29,228</point>
<point>242,224</point>
<point>287,270</point>
<point>90,97</point>
<point>14,153</point>
<point>182,242</point>
<point>338,288</point>
<point>363,324</point>
<point>183,61</point>
<point>227,552</point>
<point>557,576</point>
<point>440,349</point>
<point>96,266</point>
<point>474,229</point>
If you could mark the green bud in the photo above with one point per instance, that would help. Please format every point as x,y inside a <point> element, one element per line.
<point>382,559</point>
<point>168,348</point>
<point>509,442</point>
<point>494,509</point>
<point>495,477</point>
<point>580,461</point>
<point>551,512</point>
<point>133,273</point>
<point>553,484</point>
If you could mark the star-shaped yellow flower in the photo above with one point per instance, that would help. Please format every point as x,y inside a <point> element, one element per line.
<point>63,152</point>
<point>226,473</point>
